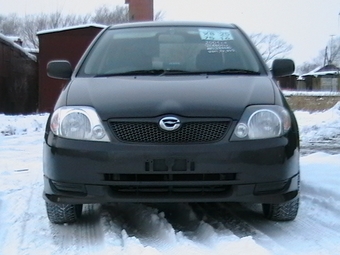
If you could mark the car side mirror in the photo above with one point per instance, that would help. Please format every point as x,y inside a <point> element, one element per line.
<point>282,67</point>
<point>59,69</point>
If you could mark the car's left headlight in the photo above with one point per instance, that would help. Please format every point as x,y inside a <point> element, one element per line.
<point>261,122</point>
<point>80,123</point>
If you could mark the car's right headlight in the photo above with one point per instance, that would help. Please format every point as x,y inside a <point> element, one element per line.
<point>78,122</point>
<point>262,122</point>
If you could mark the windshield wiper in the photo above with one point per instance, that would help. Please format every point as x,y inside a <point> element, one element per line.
<point>178,71</point>
<point>234,71</point>
<point>162,72</point>
<point>134,72</point>
<point>159,72</point>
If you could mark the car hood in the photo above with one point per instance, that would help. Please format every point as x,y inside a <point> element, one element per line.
<point>190,96</point>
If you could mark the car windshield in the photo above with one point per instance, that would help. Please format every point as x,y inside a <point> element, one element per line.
<point>161,50</point>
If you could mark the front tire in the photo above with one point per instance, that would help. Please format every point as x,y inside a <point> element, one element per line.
<point>63,213</point>
<point>286,211</point>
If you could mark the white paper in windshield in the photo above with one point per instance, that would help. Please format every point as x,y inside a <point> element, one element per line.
<point>215,34</point>
<point>217,40</point>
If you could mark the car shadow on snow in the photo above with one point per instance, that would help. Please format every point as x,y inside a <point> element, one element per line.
<point>160,223</point>
<point>148,221</point>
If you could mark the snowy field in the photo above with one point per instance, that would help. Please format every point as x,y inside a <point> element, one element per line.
<point>173,228</point>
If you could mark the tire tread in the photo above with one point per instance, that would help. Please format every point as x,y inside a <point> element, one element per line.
<point>281,212</point>
<point>63,213</point>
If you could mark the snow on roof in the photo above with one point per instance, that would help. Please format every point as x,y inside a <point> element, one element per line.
<point>32,50</point>
<point>55,30</point>
<point>323,70</point>
<point>9,41</point>
<point>322,73</point>
<point>13,37</point>
<point>289,93</point>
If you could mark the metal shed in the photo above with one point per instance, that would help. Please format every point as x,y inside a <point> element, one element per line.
<point>67,43</point>
<point>18,78</point>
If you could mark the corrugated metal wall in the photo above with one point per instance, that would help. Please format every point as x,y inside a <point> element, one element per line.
<point>68,44</point>
<point>18,80</point>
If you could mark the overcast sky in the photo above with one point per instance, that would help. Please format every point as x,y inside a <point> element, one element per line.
<point>306,24</point>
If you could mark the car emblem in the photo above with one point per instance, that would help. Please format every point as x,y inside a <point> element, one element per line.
<point>169,123</point>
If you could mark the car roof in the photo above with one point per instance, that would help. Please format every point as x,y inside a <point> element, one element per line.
<point>171,23</point>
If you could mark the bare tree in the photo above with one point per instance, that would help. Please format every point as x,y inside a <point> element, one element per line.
<point>329,55</point>
<point>10,25</point>
<point>332,52</point>
<point>73,20</point>
<point>32,24</point>
<point>106,16</point>
<point>28,26</point>
<point>159,15</point>
<point>306,67</point>
<point>270,46</point>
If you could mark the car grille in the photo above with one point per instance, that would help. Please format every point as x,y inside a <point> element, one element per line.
<point>150,132</point>
<point>171,190</point>
<point>159,178</point>
<point>170,183</point>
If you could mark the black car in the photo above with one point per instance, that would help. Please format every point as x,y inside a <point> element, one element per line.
<point>171,112</point>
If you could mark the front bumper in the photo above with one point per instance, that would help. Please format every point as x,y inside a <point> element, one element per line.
<point>81,172</point>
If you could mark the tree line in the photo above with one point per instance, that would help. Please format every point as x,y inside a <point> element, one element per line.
<point>270,46</point>
<point>329,55</point>
<point>27,27</point>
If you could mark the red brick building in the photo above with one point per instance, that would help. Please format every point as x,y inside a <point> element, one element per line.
<point>140,10</point>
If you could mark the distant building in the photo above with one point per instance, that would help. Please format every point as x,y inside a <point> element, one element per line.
<point>140,10</point>
<point>288,82</point>
<point>325,78</point>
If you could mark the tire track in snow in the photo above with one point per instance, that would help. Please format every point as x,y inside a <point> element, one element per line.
<point>169,228</point>
<point>227,216</point>
<point>83,237</point>
<point>301,236</point>
<point>217,215</point>
<point>34,225</point>
<point>15,223</point>
<point>324,210</point>
<point>23,199</point>
<point>143,222</point>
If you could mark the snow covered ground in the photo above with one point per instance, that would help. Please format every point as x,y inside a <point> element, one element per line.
<point>173,228</point>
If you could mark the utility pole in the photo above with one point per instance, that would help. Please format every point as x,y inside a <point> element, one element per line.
<point>338,23</point>
<point>331,50</point>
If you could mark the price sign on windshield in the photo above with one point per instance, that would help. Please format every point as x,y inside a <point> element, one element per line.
<point>215,35</point>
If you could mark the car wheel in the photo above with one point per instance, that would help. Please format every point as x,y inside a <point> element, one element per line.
<point>281,212</point>
<point>63,213</point>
